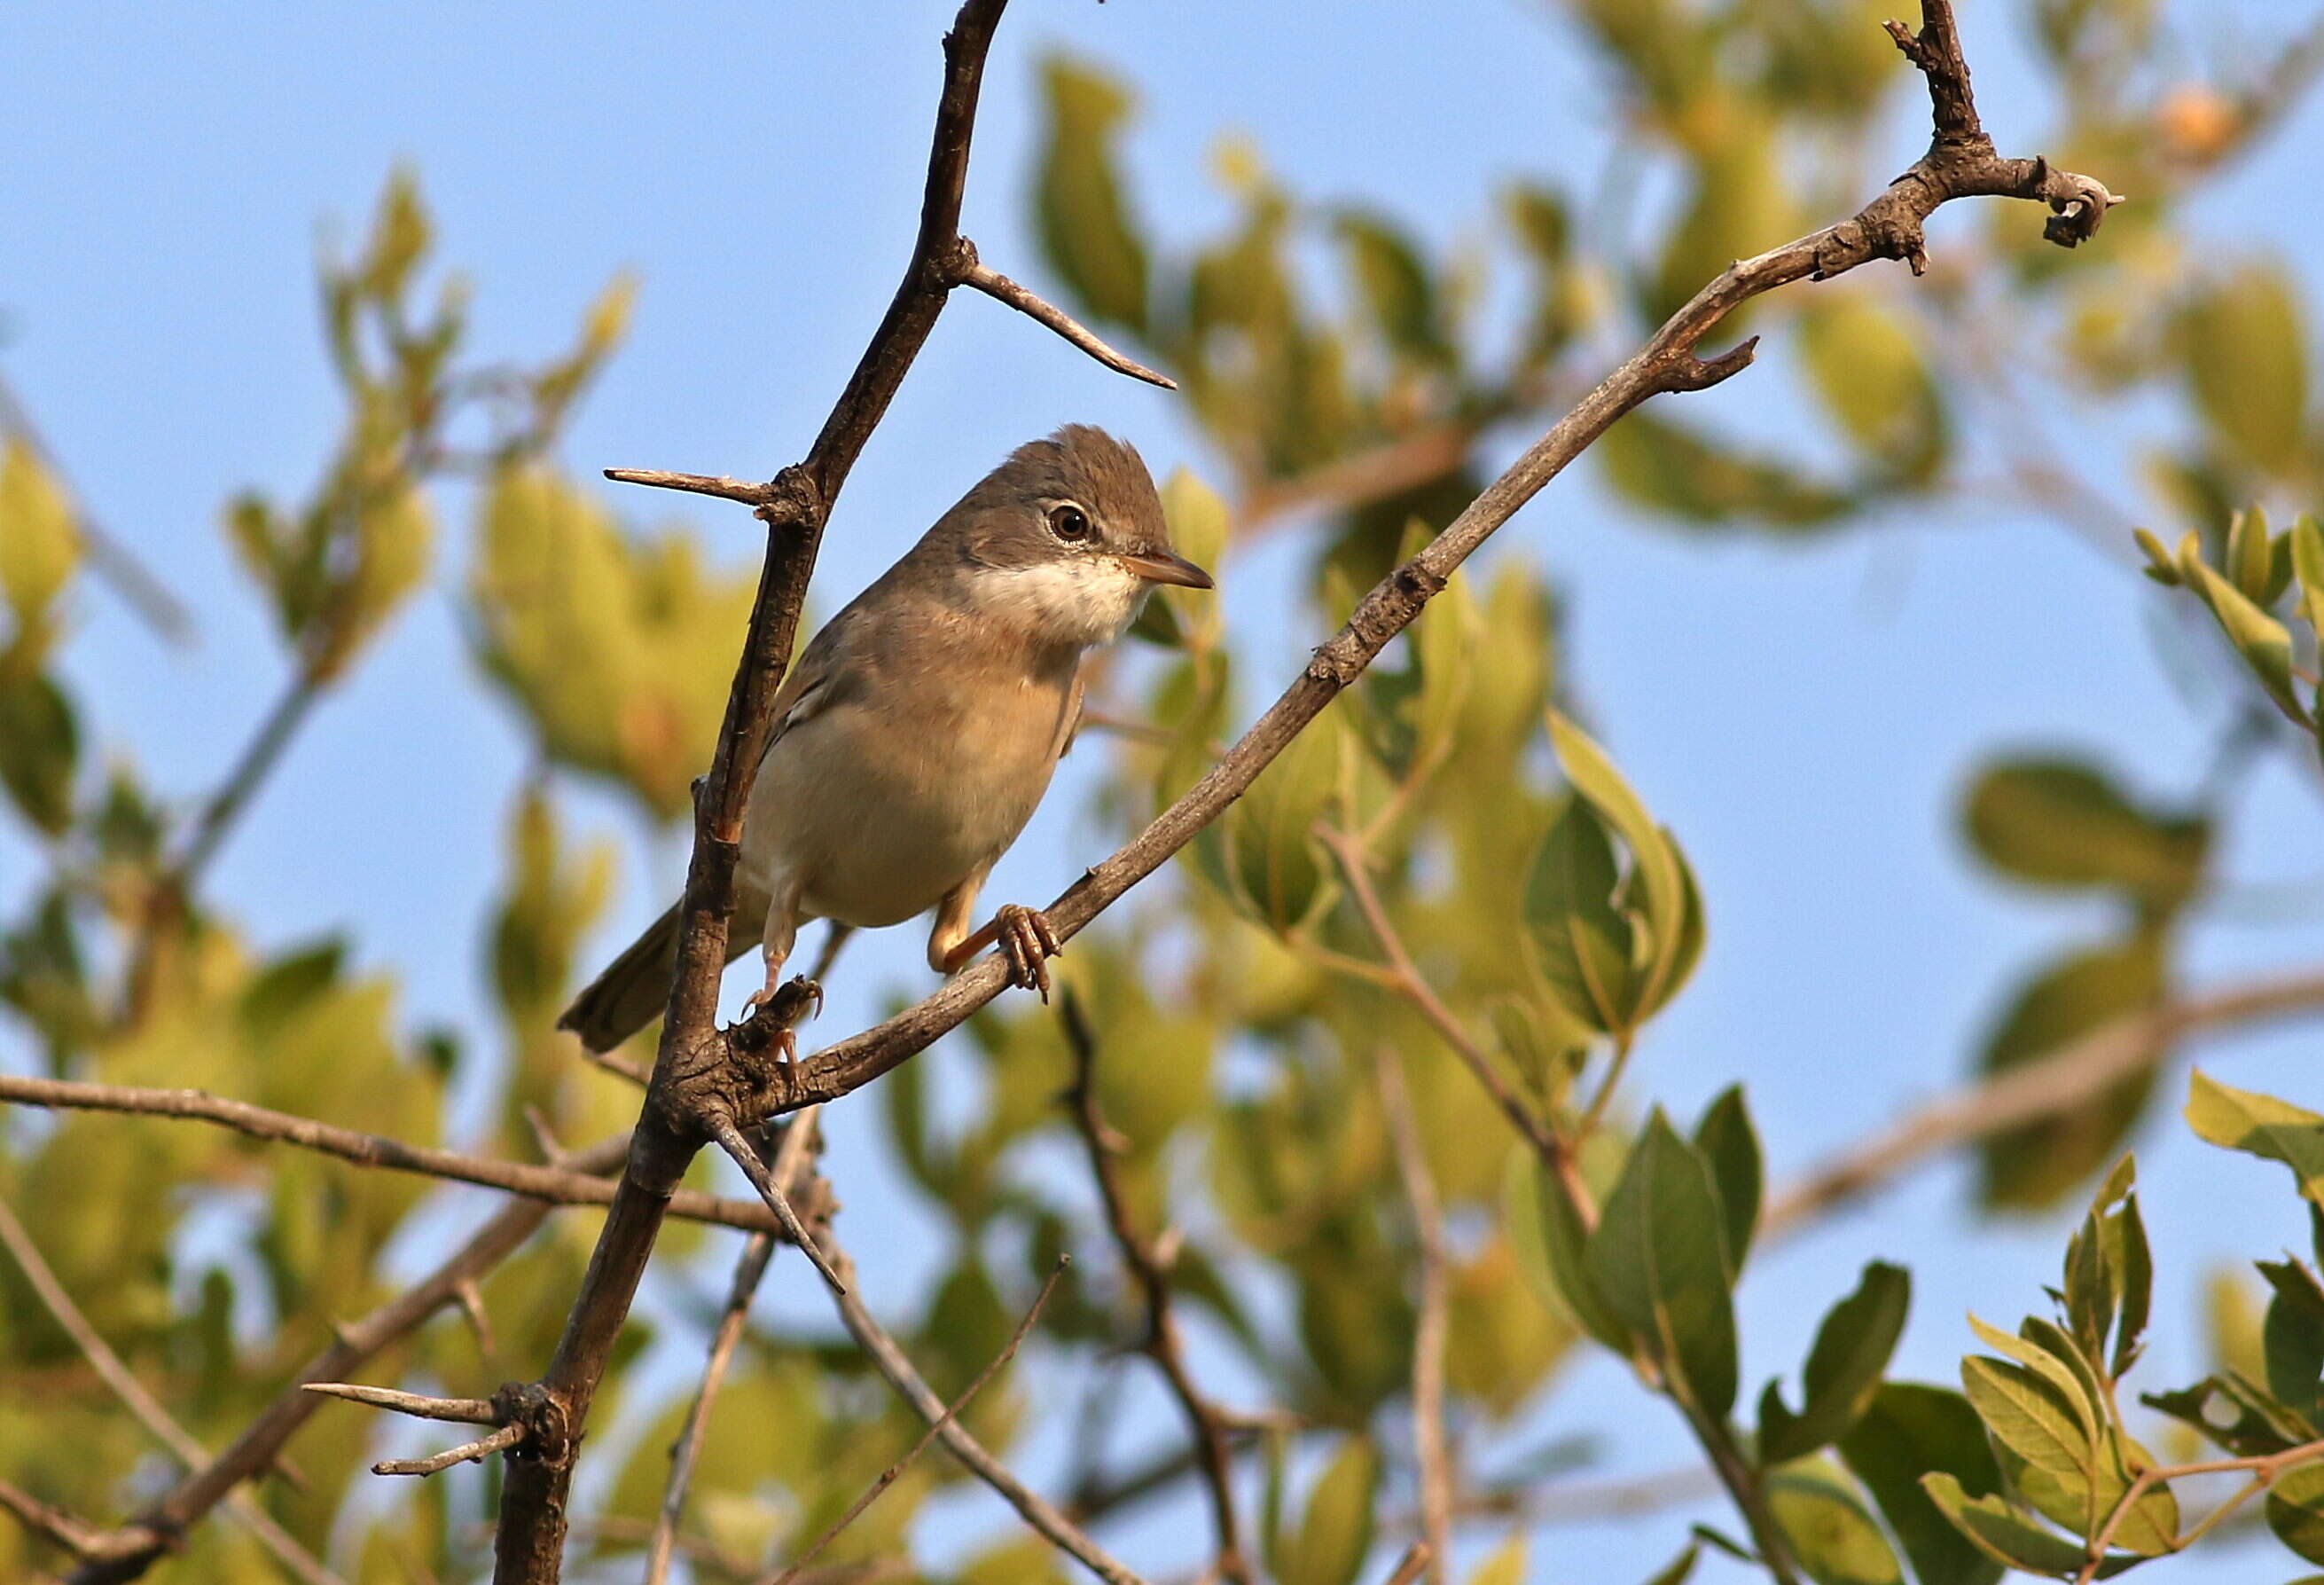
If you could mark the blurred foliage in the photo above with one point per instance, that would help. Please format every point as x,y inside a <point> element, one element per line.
<point>1352,377</point>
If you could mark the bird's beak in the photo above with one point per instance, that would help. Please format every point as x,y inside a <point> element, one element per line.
<point>1166,568</point>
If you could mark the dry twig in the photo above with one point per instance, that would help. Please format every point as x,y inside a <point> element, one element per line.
<point>1208,1425</point>
<point>1429,1446</point>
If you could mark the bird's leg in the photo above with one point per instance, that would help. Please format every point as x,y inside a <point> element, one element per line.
<point>1025,938</point>
<point>784,1001</point>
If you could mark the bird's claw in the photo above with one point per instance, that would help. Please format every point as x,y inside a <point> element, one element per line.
<point>1027,941</point>
<point>785,1006</point>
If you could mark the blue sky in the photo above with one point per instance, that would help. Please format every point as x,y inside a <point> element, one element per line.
<point>1802,716</point>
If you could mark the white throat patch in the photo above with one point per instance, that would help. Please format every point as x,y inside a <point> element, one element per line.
<point>1084,600</point>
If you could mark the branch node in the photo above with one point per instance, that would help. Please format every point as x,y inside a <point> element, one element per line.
<point>1693,372</point>
<point>791,499</point>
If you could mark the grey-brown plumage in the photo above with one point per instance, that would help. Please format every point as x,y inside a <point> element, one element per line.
<point>919,731</point>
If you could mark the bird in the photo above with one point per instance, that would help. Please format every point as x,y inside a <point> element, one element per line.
<point>919,729</point>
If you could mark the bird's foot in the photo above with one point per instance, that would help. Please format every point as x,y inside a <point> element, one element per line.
<point>776,1008</point>
<point>1027,941</point>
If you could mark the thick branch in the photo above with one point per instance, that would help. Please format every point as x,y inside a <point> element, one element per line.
<point>1206,1423</point>
<point>2066,1079</point>
<point>560,1185</point>
<point>1888,227</point>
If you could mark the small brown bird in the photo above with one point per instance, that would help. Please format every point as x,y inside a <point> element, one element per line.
<point>918,733</point>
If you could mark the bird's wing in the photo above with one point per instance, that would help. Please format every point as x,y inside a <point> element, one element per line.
<point>1069,720</point>
<point>821,678</point>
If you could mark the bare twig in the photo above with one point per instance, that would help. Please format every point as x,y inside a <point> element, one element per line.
<point>2263,1469</point>
<point>2049,1087</point>
<point>157,1420</point>
<point>157,1530</point>
<point>889,1477</point>
<point>892,1363</point>
<point>1429,1446</point>
<point>561,1185</point>
<point>1403,976</point>
<point>1419,1558</point>
<point>793,1160</point>
<point>1206,1423</point>
<point>136,584</point>
<point>1001,288</point>
<point>483,1447</point>
<point>64,1530</point>
<point>730,1140</point>
<point>468,1411</point>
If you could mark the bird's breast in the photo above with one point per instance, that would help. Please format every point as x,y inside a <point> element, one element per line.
<point>877,807</point>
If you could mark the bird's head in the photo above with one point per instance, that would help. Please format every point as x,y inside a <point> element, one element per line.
<point>1066,539</point>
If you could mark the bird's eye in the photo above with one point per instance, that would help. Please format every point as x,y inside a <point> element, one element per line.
<point>1070,523</point>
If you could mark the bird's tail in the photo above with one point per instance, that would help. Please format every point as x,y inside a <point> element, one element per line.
<point>631,992</point>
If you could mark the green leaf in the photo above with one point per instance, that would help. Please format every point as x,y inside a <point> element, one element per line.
<point>2250,562</point>
<point>1865,363</point>
<point>1852,1347</point>
<point>1507,1566</point>
<point>2133,1265</point>
<point>1676,1570</point>
<point>2247,360</point>
<point>1834,1540</point>
<point>1545,1229</point>
<point>2263,642</point>
<point>2074,996</point>
<point>1336,1530</point>
<point>1085,226</point>
<point>1909,1430</point>
<point>2308,560</point>
<point>1709,483</point>
<point>2295,1511</point>
<point>1657,1255</point>
<point>2161,566</point>
<point>1265,846</point>
<point>2063,822</point>
<point>40,745</point>
<point>1394,283</point>
<point>1198,521</point>
<point>1580,943</point>
<point>2029,1416</point>
<point>2293,1340</point>
<point>1594,777</point>
<point>1726,1140</point>
<point>2008,1537</point>
<point>39,544</point>
<point>2261,1125</point>
<point>2261,1425</point>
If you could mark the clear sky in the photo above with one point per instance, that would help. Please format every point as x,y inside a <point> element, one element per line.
<point>1802,716</point>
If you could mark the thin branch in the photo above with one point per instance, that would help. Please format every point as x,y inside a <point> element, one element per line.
<point>469,1411</point>
<point>1419,1558</point>
<point>258,759</point>
<point>62,1530</point>
<point>148,1410</point>
<point>1890,227</point>
<point>1403,976</point>
<point>560,1185</point>
<point>138,589</point>
<point>889,1477</point>
<point>1429,1446</point>
<point>158,1530</point>
<point>892,1363</point>
<point>2061,1082</point>
<point>697,484</point>
<point>1206,1423</point>
<point>2263,1469</point>
<point>792,1164</point>
<point>483,1447</point>
<point>1001,289</point>
<point>730,1139</point>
